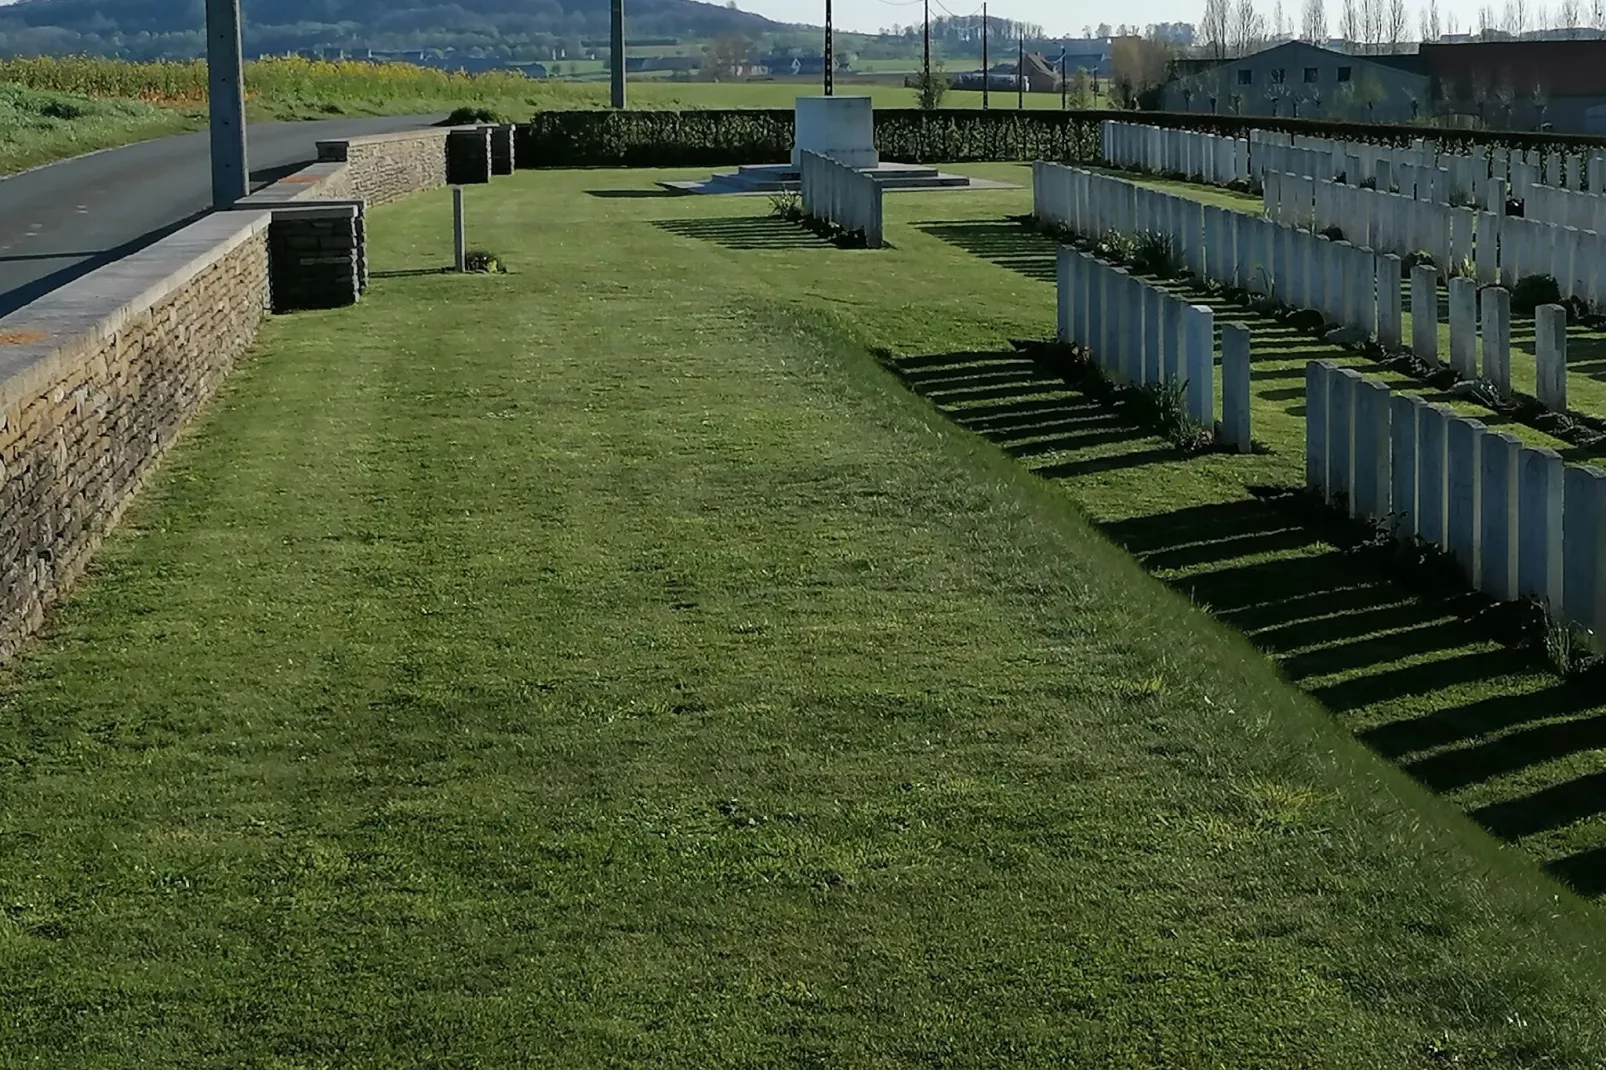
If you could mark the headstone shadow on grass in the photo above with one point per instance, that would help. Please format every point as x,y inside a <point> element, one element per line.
<point>1004,243</point>
<point>1335,622</point>
<point>745,232</point>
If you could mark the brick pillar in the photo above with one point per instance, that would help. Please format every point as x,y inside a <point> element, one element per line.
<point>316,257</point>
<point>468,156</point>
<point>503,150</point>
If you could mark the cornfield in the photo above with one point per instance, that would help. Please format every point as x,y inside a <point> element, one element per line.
<point>286,78</point>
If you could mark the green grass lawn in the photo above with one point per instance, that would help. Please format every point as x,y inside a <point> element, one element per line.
<point>610,662</point>
<point>38,127</point>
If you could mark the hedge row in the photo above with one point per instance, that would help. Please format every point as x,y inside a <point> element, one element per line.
<point>710,138</point>
<point>725,138</point>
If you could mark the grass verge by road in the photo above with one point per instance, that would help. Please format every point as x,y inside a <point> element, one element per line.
<point>608,662</point>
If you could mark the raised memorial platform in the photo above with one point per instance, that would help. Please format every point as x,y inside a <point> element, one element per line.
<point>780,177</point>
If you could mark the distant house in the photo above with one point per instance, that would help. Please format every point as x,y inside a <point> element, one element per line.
<point>794,65</point>
<point>636,64</point>
<point>1297,79</point>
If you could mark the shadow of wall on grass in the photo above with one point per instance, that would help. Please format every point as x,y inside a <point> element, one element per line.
<point>1335,622</point>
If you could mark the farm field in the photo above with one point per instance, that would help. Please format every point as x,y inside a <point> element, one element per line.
<point>59,107</point>
<point>704,645</point>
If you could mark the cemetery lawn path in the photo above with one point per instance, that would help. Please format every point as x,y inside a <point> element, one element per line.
<point>611,663</point>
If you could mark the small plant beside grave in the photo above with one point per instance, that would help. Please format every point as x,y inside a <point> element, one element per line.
<point>1420,258</point>
<point>478,261</point>
<point>1532,291</point>
<point>1155,254</point>
<point>787,204</point>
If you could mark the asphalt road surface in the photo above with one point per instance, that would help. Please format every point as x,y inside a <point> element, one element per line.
<point>64,220</point>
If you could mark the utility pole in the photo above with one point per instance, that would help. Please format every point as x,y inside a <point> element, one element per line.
<point>1020,74</point>
<point>616,53</point>
<point>829,60</point>
<point>1065,89</point>
<point>225,91</point>
<point>925,43</point>
<point>986,79</point>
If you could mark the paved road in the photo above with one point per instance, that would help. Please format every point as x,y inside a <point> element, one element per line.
<point>61,221</point>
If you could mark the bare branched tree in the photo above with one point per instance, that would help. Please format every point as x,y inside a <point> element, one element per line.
<point>1214,29</point>
<point>1395,21</point>
<point>1568,17</point>
<point>1597,14</point>
<point>1313,26</point>
<point>1487,25</point>
<point>1248,28</point>
<point>1451,25</point>
<point>1349,25</point>
<point>1430,21</point>
<point>1372,24</point>
<point>1516,20</point>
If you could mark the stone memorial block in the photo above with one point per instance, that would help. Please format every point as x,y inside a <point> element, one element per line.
<point>841,128</point>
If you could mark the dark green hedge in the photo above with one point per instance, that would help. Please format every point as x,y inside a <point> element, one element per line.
<point>727,138</point>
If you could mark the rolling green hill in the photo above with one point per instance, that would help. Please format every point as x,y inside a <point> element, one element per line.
<point>146,29</point>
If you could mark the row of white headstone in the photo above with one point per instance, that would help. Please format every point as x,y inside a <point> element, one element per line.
<point>1483,176</point>
<point>1208,157</point>
<point>1350,285</point>
<point>842,196</point>
<point>1428,169</point>
<point>1138,333</point>
<point>1517,520</point>
<point>1492,246</point>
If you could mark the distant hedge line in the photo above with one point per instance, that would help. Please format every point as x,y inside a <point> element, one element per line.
<point>709,138</point>
<point>726,138</point>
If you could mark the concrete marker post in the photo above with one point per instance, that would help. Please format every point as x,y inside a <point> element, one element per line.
<point>459,234</point>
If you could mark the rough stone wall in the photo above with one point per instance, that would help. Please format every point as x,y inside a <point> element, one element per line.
<point>82,425</point>
<point>388,167</point>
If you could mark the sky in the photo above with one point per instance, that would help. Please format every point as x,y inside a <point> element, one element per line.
<point>1055,16</point>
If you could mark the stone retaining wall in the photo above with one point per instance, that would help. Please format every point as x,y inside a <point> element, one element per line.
<point>388,167</point>
<point>96,379</point>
